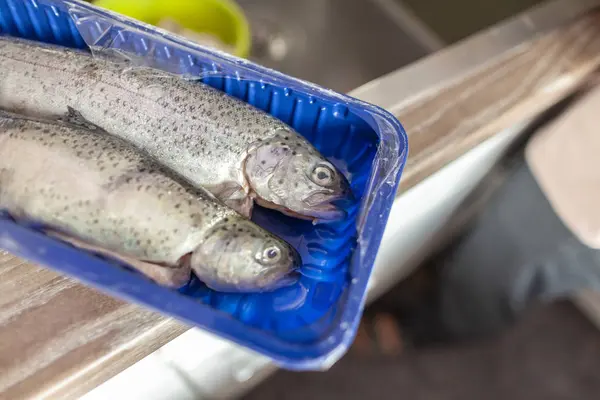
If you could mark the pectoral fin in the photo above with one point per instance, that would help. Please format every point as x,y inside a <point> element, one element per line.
<point>234,196</point>
<point>115,55</point>
<point>242,206</point>
<point>173,277</point>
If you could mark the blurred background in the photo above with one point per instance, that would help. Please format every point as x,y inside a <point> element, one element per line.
<point>360,39</point>
<point>485,314</point>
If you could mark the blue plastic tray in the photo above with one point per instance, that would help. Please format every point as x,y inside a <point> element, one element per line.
<point>306,326</point>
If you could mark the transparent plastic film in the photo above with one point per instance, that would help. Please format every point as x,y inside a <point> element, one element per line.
<point>111,36</point>
<point>307,324</point>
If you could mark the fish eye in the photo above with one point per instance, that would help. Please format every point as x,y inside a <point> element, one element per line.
<point>322,175</point>
<point>271,255</point>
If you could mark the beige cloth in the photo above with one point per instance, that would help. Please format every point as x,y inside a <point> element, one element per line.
<point>564,158</point>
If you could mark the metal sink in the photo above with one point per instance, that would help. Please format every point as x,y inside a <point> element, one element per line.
<point>340,44</point>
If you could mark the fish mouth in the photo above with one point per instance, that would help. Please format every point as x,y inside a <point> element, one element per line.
<point>320,205</point>
<point>271,281</point>
<point>324,211</point>
<point>327,211</point>
<point>288,280</point>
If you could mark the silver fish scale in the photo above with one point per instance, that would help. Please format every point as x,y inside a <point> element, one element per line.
<point>198,131</point>
<point>99,188</point>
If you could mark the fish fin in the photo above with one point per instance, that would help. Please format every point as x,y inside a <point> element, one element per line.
<point>145,64</point>
<point>151,78</point>
<point>242,206</point>
<point>173,277</point>
<point>72,116</point>
<point>195,78</point>
<point>234,196</point>
<point>130,60</point>
<point>113,55</point>
<point>148,72</point>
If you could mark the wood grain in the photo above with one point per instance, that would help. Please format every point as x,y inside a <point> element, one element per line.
<point>512,88</point>
<point>58,338</point>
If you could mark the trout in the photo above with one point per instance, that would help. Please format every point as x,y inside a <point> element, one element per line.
<point>239,153</point>
<point>100,193</point>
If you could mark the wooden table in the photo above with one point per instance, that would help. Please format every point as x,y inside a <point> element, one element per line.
<point>59,339</point>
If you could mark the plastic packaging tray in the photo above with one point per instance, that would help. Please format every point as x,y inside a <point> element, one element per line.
<point>306,326</point>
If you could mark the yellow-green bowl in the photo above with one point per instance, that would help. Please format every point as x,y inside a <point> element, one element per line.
<point>222,18</point>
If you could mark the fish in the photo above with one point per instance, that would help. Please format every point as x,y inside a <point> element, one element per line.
<point>100,193</point>
<point>239,153</point>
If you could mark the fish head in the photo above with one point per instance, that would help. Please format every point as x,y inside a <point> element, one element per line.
<point>237,255</point>
<point>288,174</point>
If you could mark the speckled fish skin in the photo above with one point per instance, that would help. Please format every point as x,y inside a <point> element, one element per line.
<point>102,190</point>
<point>227,146</point>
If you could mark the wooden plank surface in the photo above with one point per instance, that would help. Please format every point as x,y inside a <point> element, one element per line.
<point>514,87</point>
<point>58,338</point>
